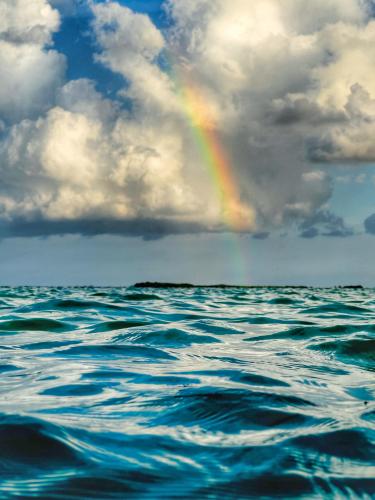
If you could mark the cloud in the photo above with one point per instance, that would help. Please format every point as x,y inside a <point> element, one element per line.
<point>281,85</point>
<point>325,223</point>
<point>130,44</point>
<point>259,75</point>
<point>370,224</point>
<point>353,140</point>
<point>261,236</point>
<point>77,162</point>
<point>293,110</point>
<point>148,229</point>
<point>309,233</point>
<point>30,73</point>
<point>22,21</point>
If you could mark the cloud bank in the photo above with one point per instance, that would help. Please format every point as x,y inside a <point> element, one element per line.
<point>370,224</point>
<point>286,84</point>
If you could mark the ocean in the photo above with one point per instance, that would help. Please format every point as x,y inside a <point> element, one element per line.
<point>202,393</point>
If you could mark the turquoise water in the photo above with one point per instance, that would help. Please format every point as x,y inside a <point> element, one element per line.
<point>187,393</point>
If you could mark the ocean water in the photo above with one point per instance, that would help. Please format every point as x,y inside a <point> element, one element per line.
<point>199,393</point>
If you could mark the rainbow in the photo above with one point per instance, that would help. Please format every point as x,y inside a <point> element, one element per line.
<point>236,217</point>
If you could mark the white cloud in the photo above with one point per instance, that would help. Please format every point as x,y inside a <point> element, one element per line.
<point>26,21</point>
<point>130,45</point>
<point>78,161</point>
<point>29,79</point>
<point>353,140</point>
<point>30,73</point>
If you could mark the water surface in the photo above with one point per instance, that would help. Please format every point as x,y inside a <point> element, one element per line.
<point>187,393</point>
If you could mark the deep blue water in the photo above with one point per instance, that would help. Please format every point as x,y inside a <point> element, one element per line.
<point>197,393</point>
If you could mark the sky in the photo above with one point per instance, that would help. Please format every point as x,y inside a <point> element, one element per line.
<point>187,140</point>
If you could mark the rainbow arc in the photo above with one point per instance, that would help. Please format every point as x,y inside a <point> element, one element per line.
<point>236,216</point>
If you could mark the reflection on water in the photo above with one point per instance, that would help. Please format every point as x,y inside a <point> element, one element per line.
<point>186,393</point>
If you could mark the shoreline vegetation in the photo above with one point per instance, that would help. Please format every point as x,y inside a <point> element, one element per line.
<point>157,284</point>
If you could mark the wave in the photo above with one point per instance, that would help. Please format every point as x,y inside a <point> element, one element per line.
<point>114,350</point>
<point>34,444</point>
<point>170,337</point>
<point>360,351</point>
<point>33,324</point>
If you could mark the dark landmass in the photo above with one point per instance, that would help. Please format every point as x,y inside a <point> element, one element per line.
<point>354,287</point>
<point>157,284</point>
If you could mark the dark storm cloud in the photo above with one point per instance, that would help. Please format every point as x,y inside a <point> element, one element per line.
<point>325,223</point>
<point>302,110</point>
<point>319,149</point>
<point>327,150</point>
<point>369,224</point>
<point>146,228</point>
<point>312,232</point>
<point>261,235</point>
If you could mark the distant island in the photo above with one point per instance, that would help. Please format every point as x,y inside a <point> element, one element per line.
<point>157,284</point>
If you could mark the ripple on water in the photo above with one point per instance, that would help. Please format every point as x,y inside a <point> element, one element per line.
<point>306,332</point>
<point>242,377</point>
<point>32,444</point>
<point>8,368</point>
<point>358,351</point>
<point>114,351</point>
<point>354,444</point>
<point>232,410</point>
<point>33,324</point>
<point>169,337</point>
<point>138,297</point>
<point>106,326</point>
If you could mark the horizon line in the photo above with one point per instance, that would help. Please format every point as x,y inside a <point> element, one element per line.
<point>160,284</point>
